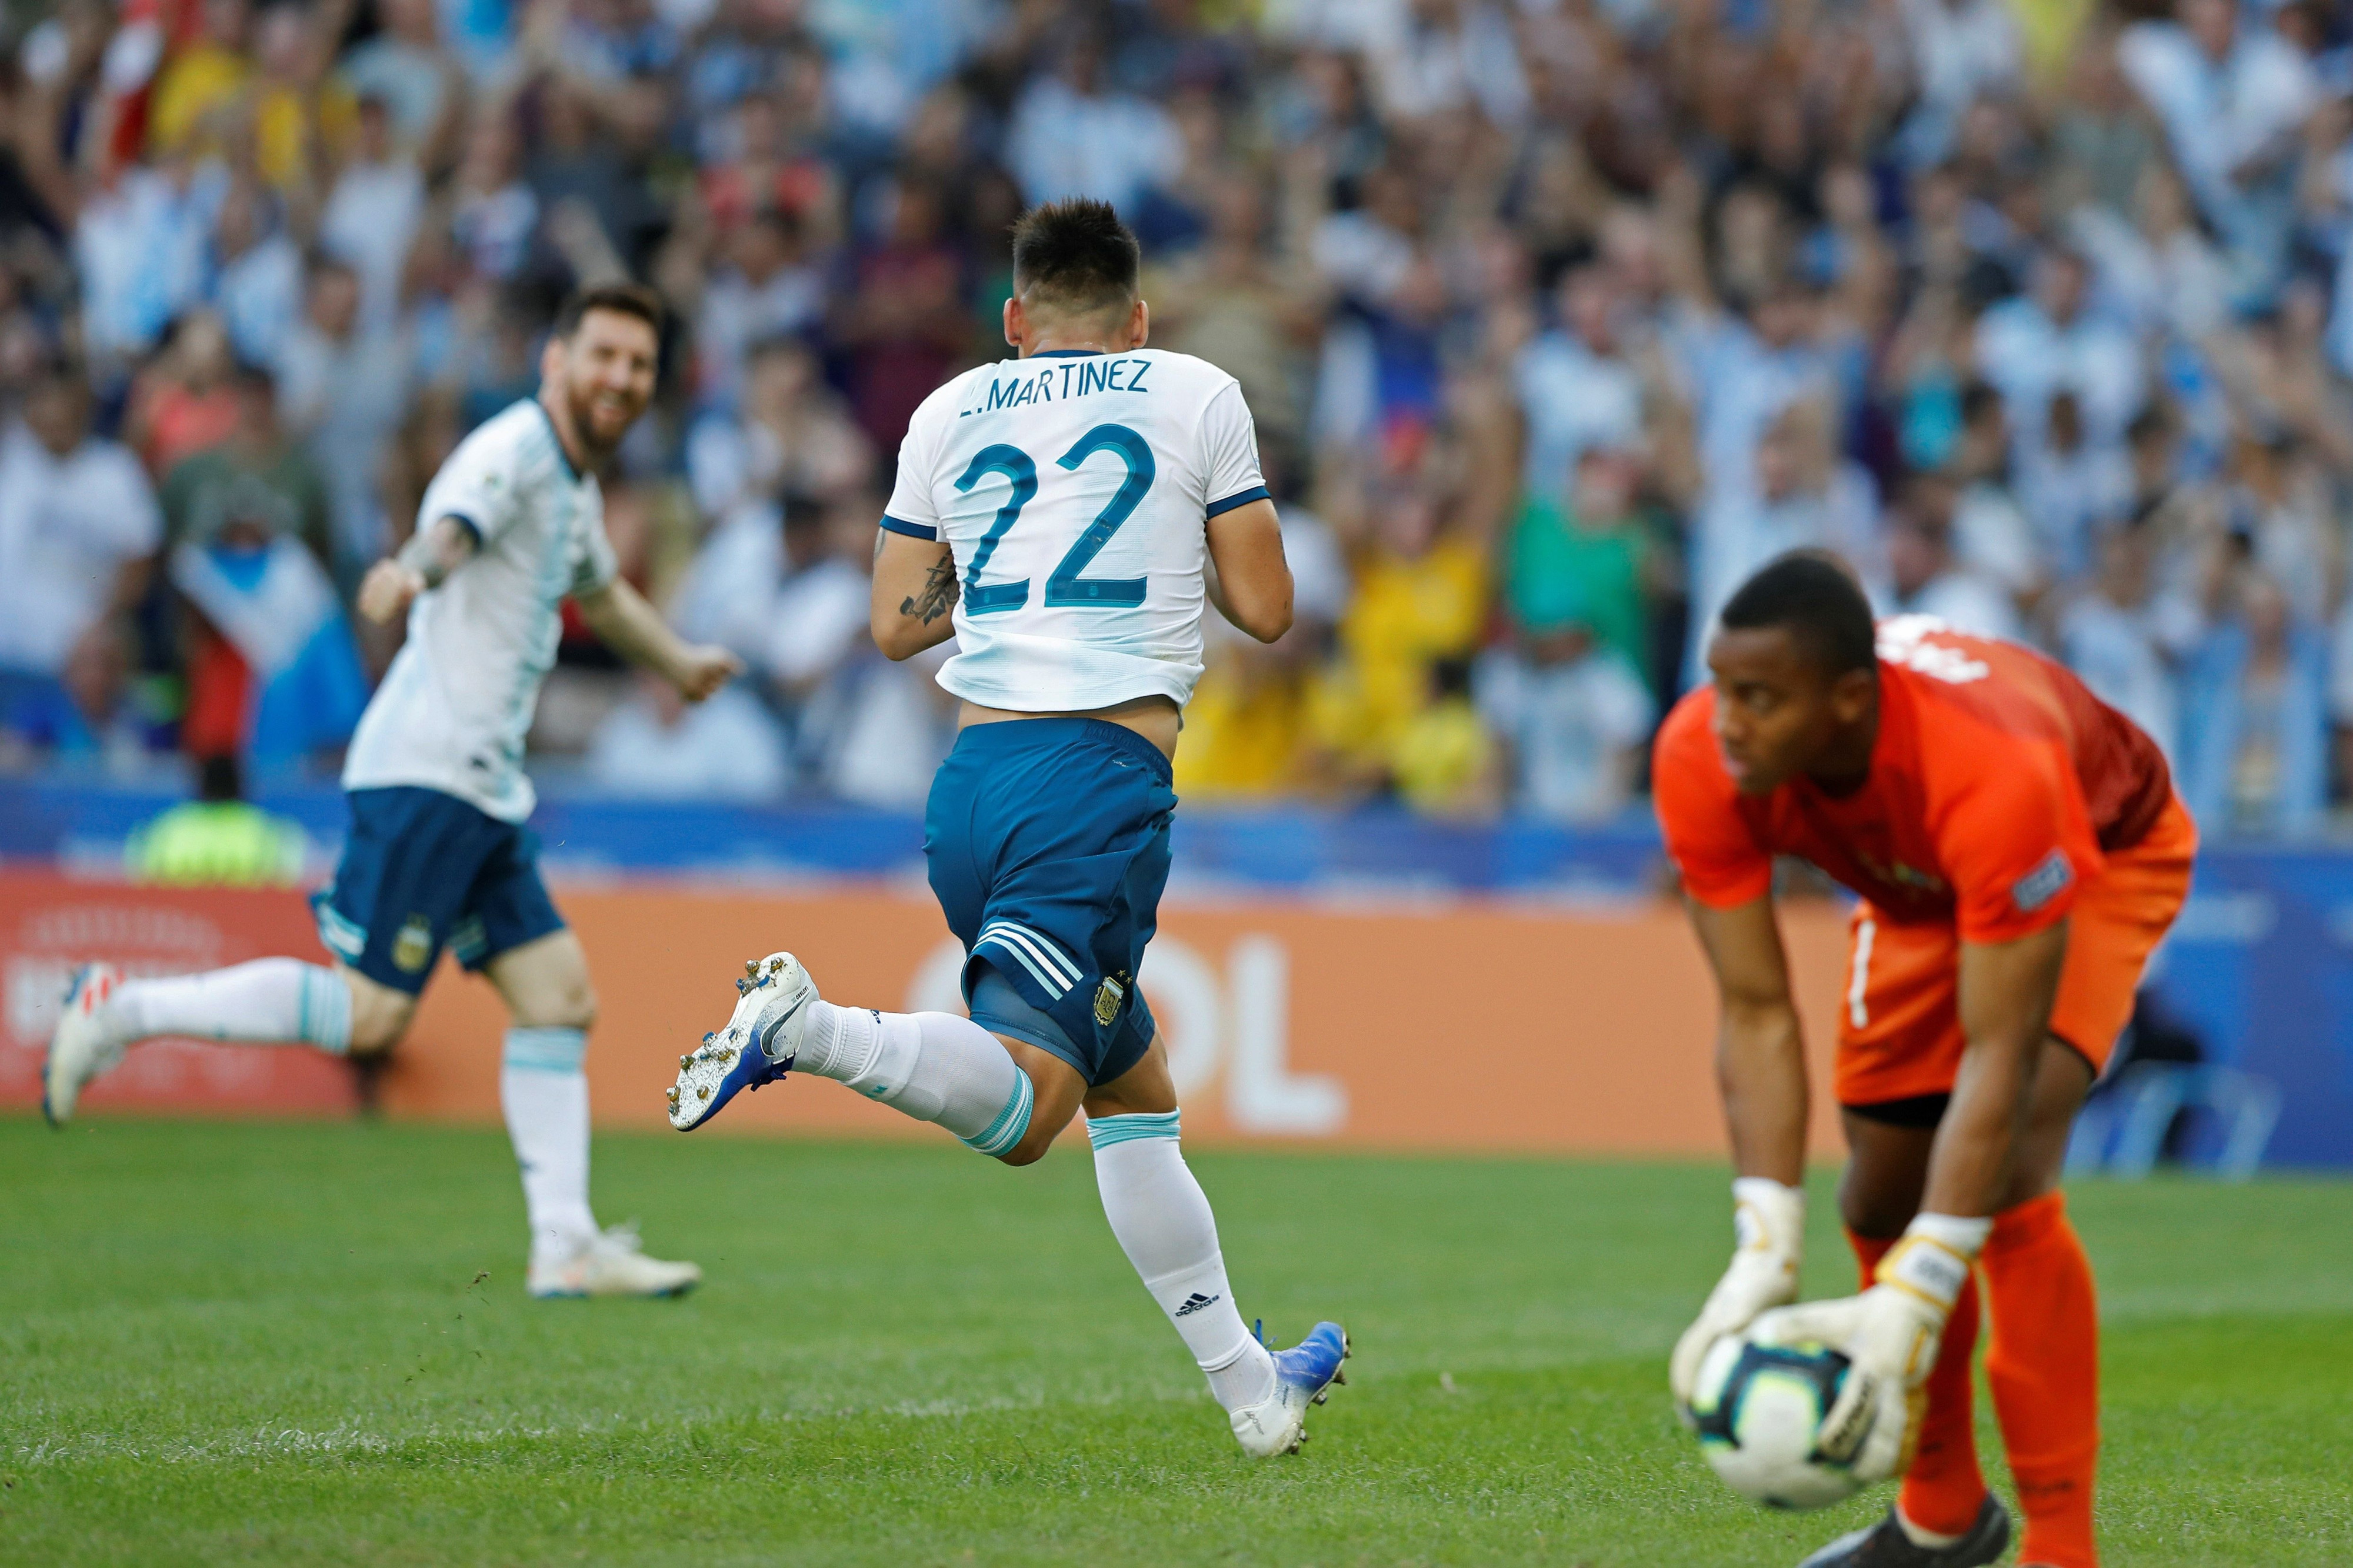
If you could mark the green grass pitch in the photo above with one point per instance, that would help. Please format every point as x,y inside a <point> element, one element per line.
<point>308,1343</point>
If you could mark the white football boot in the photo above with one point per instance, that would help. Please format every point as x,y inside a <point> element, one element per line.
<point>612,1264</point>
<point>1303,1375</point>
<point>759,1043</point>
<point>85,1043</point>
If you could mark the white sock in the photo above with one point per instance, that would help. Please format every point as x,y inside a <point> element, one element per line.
<point>546,1097</point>
<point>270,1001</point>
<point>933,1066</point>
<point>1163,1225</point>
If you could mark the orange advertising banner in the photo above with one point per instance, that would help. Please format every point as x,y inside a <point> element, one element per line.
<point>1454,1024</point>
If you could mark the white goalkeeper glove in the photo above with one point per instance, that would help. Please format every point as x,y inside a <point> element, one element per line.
<point>1769,1221</point>
<point>1891,1333</point>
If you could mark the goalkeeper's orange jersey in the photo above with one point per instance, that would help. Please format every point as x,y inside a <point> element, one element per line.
<point>1998,785</point>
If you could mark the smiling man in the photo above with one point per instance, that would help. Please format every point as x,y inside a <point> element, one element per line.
<point>438,855</point>
<point>2019,849</point>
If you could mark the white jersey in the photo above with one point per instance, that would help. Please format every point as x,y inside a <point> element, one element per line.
<point>1072,489</point>
<point>453,710</point>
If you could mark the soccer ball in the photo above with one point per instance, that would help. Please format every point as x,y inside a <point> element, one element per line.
<point>1759,1409</point>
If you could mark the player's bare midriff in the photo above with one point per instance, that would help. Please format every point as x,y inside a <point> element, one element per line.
<point>1154,718</point>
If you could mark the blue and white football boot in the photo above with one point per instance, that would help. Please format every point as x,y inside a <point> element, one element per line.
<point>756,1048</point>
<point>1303,1375</point>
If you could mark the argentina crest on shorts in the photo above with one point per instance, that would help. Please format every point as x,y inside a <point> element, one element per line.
<point>1047,843</point>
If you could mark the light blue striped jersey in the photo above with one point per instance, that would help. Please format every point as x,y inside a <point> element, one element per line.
<point>453,710</point>
<point>1073,488</point>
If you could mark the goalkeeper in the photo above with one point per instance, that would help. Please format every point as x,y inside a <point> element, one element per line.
<point>2019,849</point>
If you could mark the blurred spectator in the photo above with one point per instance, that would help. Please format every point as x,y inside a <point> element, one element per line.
<point>198,90</point>
<point>272,668</point>
<point>2102,141</point>
<point>764,287</point>
<point>904,324</point>
<point>2073,485</point>
<point>345,387</point>
<point>2254,751</point>
<point>410,79</point>
<point>1248,731</point>
<point>730,592</point>
<point>1577,390</point>
<point>1961,50</point>
<point>789,434</point>
<point>185,399</point>
<point>257,272</point>
<point>1420,597</point>
<point>494,216</point>
<point>219,840</point>
<point>576,163</point>
<point>1991,534</point>
<point>1230,301</point>
<point>1924,577</point>
<point>1802,495</point>
<point>2126,639</point>
<point>2041,345</point>
<point>1586,561</point>
<point>657,744</point>
<point>373,211</point>
<point>2232,93</point>
<point>254,478</point>
<point>1072,135</point>
<point>1572,713</point>
<point>1441,758</point>
<point>78,531</point>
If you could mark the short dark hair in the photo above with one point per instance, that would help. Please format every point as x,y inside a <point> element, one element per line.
<point>622,299</point>
<point>1814,594</point>
<point>1076,255</point>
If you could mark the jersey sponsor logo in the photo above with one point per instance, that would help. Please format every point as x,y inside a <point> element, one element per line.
<point>1903,640</point>
<point>2042,884</point>
<point>412,950</point>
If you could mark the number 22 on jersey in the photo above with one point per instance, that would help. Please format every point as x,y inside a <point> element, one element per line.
<point>1065,587</point>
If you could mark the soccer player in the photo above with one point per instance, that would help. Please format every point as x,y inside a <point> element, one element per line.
<point>2019,849</point>
<point>438,854</point>
<point>1053,513</point>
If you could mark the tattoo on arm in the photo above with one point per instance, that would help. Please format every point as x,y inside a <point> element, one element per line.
<point>939,595</point>
<point>435,552</point>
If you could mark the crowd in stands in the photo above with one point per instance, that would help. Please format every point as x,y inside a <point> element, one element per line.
<point>1557,316</point>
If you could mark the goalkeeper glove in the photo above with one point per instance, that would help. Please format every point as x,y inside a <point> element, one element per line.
<point>1890,1333</point>
<point>1769,1222</point>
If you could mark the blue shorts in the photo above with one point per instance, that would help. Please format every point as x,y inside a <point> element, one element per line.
<point>421,870</point>
<point>1048,844</point>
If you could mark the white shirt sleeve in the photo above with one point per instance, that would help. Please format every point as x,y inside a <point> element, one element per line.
<point>1230,452</point>
<point>476,486</point>
<point>911,510</point>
